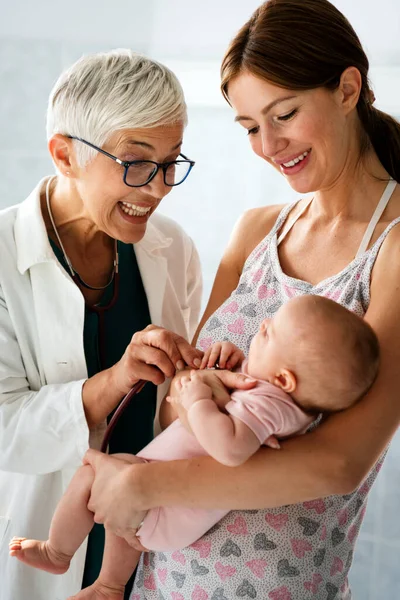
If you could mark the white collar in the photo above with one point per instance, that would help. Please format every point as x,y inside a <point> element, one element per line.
<point>32,242</point>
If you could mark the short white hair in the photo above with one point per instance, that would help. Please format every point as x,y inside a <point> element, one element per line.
<point>109,91</point>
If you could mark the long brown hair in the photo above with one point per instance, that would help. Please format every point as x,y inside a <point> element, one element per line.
<point>305,44</point>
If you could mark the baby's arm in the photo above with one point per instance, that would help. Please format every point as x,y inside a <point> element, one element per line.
<point>225,437</point>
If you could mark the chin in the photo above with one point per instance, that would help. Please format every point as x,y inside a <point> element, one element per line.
<point>301,187</point>
<point>131,237</point>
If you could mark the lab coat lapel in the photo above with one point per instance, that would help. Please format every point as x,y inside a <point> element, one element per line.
<point>153,270</point>
<point>57,299</point>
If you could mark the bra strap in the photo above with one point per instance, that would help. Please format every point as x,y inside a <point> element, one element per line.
<point>382,204</point>
<point>287,228</point>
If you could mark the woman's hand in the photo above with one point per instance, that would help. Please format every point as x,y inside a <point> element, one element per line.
<point>153,354</point>
<point>113,494</point>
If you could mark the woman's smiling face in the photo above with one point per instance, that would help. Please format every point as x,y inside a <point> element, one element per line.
<point>303,134</point>
<point>107,200</point>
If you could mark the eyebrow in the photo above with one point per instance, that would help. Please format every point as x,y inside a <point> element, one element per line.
<point>149,146</point>
<point>266,109</point>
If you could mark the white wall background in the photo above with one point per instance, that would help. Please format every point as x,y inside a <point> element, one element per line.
<point>38,39</point>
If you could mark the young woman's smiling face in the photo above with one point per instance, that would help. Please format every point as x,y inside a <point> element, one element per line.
<point>306,135</point>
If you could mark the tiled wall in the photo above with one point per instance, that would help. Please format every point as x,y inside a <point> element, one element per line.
<point>227,180</point>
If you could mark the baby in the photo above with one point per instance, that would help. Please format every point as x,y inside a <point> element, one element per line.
<point>313,357</point>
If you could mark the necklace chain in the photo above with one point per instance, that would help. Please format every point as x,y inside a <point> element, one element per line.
<point>74,274</point>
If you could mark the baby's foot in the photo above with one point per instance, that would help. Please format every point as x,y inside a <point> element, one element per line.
<point>39,555</point>
<point>100,591</point>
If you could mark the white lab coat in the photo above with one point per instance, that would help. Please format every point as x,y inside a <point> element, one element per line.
<point>43,432</point>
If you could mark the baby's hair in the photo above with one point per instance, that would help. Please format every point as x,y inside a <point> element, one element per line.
<point>339,356</point>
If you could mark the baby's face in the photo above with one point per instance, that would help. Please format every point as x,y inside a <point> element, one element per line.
<point>262,353</point>
<point>273,347</point>
<point>266,351</point>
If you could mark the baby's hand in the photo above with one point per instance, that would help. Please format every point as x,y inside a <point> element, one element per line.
<point>226,354</point>
<point>191,389</point>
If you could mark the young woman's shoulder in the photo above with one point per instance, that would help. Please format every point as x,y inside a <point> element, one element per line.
<point>250,229</point>
<point>253,226</point>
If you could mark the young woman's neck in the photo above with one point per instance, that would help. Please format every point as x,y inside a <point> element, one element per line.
<point>356,191</point>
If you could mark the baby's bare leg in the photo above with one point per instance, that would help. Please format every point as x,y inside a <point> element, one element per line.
<point>71,524</point>
<point>119,561</point>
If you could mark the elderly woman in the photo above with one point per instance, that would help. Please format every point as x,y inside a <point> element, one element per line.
<point>297,79</point>
<point>86,265</point>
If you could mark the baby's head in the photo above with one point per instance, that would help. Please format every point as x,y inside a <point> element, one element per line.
<point>323,355</point>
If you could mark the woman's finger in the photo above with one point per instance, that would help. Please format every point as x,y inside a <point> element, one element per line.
<point>235,380</point>
<point>192,356</point>
<point>159,339</point>
<point>140,356</point>
<point>133,540</point>
<point>146,372</point>
<point>175,346</point>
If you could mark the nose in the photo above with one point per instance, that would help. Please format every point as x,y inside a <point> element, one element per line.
<point>157,187</point>
<point>264,324</point>
<point>271,141</point>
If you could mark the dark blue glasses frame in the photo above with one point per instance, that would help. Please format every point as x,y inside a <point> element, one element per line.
<point>157,166</point>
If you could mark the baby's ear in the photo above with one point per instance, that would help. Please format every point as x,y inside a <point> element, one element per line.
<point>286,380</point>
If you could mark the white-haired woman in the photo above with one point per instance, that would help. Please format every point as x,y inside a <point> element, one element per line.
<point>85,267</point>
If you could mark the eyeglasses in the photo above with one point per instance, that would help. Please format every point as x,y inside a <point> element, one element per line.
<point>140,172</point>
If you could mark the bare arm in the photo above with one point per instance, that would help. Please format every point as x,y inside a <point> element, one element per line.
<point>333,459</point>
<point>224,437</point>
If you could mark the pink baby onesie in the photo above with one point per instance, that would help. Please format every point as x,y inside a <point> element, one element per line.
<point>266,409</point>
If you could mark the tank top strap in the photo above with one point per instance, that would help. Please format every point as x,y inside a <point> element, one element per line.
<point>288,226</point>
<point>382,204</point>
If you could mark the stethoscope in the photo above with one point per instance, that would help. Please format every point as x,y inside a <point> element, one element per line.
<point>118,413</point>
<point>100,310</point>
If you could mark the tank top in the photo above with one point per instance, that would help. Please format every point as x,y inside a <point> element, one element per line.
<point>296,552</point>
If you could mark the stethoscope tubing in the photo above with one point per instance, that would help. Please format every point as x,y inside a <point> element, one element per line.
<point>118,413</point>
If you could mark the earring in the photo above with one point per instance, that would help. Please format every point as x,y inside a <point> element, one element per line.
<point>67,172</point>
<point>371,97</point>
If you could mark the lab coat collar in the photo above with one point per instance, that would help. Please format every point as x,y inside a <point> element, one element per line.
<point>32,241</point>
<point>30,232</point>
